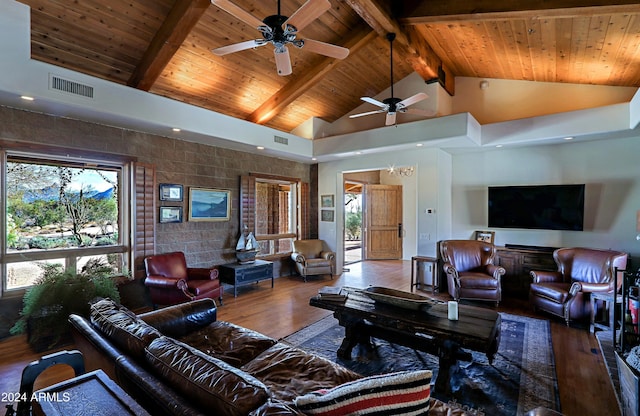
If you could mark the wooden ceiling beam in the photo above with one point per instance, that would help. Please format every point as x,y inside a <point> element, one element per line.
<point>413,48</point>
<point>174,30</point>
<point>302,83</point>
<point>416,12</point>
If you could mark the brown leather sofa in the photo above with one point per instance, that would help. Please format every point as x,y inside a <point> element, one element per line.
<point>181,360</point>
<point>470,271</point>
<point>581,271</point>
<point>170,281</point>
<point>313,257</point>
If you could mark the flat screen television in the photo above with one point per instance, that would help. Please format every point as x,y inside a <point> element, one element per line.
<point>546,207</point>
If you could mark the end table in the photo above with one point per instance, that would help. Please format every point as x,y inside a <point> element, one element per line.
<point>433,264</point>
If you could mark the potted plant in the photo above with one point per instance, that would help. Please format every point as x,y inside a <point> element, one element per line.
<point>57,294</point>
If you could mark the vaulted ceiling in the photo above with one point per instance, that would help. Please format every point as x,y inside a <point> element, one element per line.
<point>164,47</point>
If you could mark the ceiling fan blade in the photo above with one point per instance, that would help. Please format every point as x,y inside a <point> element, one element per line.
<point>326,49</point>
<point>413,99</point>
<point>237,47</point>
<point>375,102</point>
<point>420,112</point>
<point>283,61</point>
<point>307,13</point>
<point>368,113</point>
<point>391,119</point>
<point>237,12</point>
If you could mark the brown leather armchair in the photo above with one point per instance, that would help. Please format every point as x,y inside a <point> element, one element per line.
<point>581,271</point>
<point>313,257</point>
<point>170,281</point>
<point>470,271</point>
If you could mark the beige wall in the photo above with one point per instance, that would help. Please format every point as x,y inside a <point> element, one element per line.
<point>176,161</point>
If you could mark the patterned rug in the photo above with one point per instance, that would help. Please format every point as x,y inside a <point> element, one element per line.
<point>522,376</point>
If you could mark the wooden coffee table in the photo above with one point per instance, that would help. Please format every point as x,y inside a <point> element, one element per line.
<point>427,330</point>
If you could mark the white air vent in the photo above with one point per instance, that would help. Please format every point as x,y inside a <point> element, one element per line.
<point>70,87</point>
<point>281,140</point>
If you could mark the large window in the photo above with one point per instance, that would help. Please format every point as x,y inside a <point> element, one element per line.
<point>275,209</point>
<point>62,211</point>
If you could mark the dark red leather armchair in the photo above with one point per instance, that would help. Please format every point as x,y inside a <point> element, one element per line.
<point>470,271</point>
<point>170,281</point>
<point>581,271</point>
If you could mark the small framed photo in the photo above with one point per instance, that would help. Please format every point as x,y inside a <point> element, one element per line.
<point>170,214</point>
<point>486,236</point>
<point>326,201</point>
<point>209,204</point>
<point>170,192</point>
<point>326,215</point>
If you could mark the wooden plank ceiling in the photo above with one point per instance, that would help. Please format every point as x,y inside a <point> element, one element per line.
<point>164,47</point>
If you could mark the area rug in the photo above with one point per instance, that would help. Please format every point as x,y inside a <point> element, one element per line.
<point>522,376</point>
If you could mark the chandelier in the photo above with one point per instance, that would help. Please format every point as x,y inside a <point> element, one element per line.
<point>407,171</point>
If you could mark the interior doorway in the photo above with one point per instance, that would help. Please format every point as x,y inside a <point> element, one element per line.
<point>353,228</point>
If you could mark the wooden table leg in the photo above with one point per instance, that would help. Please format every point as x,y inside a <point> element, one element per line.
<point>449,354</point>
<point>354,333</point>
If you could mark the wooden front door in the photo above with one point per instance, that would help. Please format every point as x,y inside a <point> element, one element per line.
<point>383,221</point>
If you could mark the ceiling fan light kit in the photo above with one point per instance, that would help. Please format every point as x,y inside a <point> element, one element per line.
<point>281,31</point>
<point>393,105</point>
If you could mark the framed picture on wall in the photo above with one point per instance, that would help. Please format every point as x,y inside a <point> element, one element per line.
<point>170,192</point>
<point>486,236</point>
<point>326,215</point>
<point>326,201</point>
<point>170,214</point>
<point>209,204</point>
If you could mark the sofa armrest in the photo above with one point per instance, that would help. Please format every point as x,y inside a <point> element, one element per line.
<point>544,276</point>
<point>328,255</point>
<point>450,271</point>
<point>495,271</point>
<point>162,282</point>
<point>590,287</point>
<point>179,320</point>
<point>202,273</point>
<point>298,257</point>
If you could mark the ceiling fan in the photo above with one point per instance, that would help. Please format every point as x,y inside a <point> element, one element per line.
<point>281,31</point>
<point>394,105</point>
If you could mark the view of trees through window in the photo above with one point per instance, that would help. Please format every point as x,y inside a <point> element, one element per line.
<point>57,207</point>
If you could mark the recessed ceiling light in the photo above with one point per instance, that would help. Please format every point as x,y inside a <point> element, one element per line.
<point>568,138</point>
<point>419,145</point>
<point>260,147</point>
<point>358,153</point>
<point>314,158</point>
<point>27,98</point>
<point>176,129</point>
<point>498,145</point>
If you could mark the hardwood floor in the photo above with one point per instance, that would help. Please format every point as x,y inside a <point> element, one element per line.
<point>585,388</point>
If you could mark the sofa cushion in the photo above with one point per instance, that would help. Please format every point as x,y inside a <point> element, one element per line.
<point>403,393</point>
<point>211,383</point>
<point>122,327</point>
<point>289,372</point>
<point>228,342</point>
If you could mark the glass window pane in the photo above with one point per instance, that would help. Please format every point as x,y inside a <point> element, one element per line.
<point>60,206</point>
<point>25,274</point>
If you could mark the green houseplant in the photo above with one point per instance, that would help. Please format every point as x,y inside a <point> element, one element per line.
<point>57,294</point>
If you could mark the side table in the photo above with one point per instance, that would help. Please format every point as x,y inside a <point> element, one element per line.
<point>238,274</point>
<point>415,263</point>
<point>90,394</point>
<point>609,304</point>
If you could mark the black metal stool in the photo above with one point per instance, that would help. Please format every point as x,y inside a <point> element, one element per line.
<point>73,358</point>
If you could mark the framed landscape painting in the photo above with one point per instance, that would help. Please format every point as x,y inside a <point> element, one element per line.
<point>209,204</point>
<point>170,214</point>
